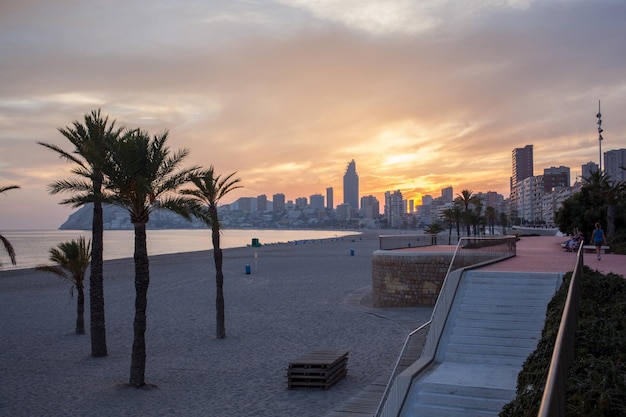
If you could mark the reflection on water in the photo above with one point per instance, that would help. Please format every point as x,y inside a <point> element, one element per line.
<point>32,246</point>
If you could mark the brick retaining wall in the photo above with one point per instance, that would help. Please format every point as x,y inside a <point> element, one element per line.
<point>409,279</point>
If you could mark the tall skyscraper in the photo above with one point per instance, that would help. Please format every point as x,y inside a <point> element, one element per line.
<point>330,203</point>
<point>351,186</point>
<point>522,169</point>
<point>613,161</point>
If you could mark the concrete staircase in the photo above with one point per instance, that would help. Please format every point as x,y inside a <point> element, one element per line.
<point>494,324</point>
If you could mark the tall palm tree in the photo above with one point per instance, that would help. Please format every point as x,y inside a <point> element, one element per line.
<point>210,189</point>
<point>609,192</point>
<point>141,176</point>
<point>5,242</point>
<point>448,216</point>
<point>71,260</point>
<point>491,216</point>
<point>465,200</point>
<point>90,141</point>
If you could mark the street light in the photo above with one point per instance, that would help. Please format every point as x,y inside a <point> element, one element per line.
<point>600,138</point>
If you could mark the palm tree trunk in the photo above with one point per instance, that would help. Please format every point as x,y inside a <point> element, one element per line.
<point>96,278</point>
<point>610,221</point>
<point>142,280</point>
<point>80,310</point>
<point>220,329</point>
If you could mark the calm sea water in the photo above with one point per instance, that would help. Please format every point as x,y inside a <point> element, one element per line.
<point>32,246</point>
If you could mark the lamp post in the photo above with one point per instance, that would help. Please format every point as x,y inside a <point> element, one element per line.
<point>600,138</point>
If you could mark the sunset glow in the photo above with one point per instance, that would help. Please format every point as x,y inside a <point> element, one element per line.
<point>422,95</point>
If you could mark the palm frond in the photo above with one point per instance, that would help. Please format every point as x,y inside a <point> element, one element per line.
<point>9,248</point>
<point>8,187</point>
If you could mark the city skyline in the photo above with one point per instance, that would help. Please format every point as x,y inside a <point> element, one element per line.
<point>423,95</point>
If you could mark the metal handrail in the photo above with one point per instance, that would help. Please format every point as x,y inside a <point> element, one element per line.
<point>444,303</point>
<point>554,393</point>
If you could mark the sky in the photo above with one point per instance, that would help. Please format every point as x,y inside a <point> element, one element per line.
<point>421,94</point>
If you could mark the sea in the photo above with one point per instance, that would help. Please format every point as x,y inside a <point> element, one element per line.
<point>32,246</point>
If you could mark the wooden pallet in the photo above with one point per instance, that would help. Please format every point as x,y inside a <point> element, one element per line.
<point>317,369</point>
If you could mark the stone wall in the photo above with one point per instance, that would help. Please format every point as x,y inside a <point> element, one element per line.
<point>409,279</point>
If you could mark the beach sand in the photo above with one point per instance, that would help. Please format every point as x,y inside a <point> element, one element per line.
<point>297,298</point>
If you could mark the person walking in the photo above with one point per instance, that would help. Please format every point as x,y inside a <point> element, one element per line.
<point>598,239</point>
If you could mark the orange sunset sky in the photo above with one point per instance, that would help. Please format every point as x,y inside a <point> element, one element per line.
<point>422,94</point>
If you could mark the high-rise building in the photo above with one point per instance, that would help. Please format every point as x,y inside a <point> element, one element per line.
<point>316,202</point>
<point>370,207</point>
<point>522,168</point>
<point>447,195</point>
<point>394,208</point>
<point>587,169</point>
<point>330,204</point>
<point>351,186</point>
<point>261,203</point>
<point>278,202</point>
<point>613,161</point>
<point>555,177</point>
<point>301,202</point>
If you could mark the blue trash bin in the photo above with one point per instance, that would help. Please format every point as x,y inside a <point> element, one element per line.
<point>247,269</point>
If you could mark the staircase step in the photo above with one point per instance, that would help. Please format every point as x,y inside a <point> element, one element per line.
<point>466,402</point>
<point>507,360</point>
<point>490,332</point>
<point>503,309</point>
<point>472,340</point>
<point>489,350</point>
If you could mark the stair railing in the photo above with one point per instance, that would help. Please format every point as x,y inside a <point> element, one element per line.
<point>553,400</point>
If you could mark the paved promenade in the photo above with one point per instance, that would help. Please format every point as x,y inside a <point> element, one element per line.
<point>545,254</point>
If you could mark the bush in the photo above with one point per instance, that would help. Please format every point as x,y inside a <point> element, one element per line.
<point>596,383</point>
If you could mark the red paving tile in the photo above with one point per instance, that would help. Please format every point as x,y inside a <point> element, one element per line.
<point>545,254</point>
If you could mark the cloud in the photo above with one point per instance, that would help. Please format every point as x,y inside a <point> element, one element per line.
<point>286,93</point>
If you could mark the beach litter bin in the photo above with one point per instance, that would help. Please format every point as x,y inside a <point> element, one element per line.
<point>247,269</point>
<point>255,242</point>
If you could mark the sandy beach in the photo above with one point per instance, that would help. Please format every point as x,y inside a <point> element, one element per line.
<point>297,298</point>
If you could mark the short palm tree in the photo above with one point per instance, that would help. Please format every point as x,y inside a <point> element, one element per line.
<point>71,260</point>
<point>448,216</point>
<point>142,175</point>
<point>90,141</point>
<point>209,190</point>
<point>5,242</point>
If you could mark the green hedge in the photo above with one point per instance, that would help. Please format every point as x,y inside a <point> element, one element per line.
<point>597,378</point>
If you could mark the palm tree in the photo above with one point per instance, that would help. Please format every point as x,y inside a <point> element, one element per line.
<point>142,176</point>
<point>491,215</point>
<point>210,189</point>
<point>71,261</point>
<point>90,141</point>
<point>448,216</point>
<point>5,242</point>
<point>608,192</point>
<point>465,200</point>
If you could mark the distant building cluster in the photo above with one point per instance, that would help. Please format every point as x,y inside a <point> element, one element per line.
<point>533,200</point>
